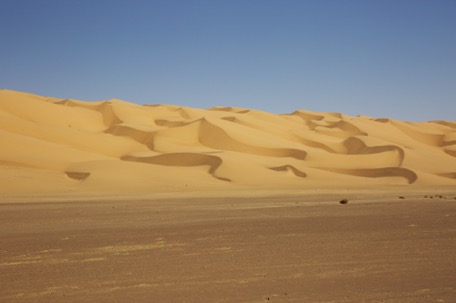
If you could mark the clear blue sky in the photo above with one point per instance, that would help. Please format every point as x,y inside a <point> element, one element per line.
<point>382,58</point>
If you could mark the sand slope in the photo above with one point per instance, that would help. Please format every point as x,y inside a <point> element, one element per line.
<point>51,145</point>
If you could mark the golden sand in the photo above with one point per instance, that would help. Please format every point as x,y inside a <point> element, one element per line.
<point>59,146</point>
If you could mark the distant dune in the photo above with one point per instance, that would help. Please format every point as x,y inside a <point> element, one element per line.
<point>55,146</point>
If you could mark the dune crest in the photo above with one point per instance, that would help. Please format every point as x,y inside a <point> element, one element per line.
<point>52,145</point>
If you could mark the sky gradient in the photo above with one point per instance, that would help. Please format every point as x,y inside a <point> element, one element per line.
<point>393,59</point>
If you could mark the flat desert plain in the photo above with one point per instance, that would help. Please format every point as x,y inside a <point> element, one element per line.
<point>114,202</point>
<point>299,248</point>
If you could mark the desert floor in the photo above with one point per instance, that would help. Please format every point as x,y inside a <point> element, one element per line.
<point>290,248</point>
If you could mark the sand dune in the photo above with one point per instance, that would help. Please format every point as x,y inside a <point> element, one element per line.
<point>52,145</point>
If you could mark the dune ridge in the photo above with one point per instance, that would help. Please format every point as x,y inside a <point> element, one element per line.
<point>52,145</point>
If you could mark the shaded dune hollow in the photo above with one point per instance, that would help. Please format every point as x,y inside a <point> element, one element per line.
<point>451,175</point>
<point>451,152</point>
<point>289,168</point>
<point>356,146</point>
<point>167,123</point>
<point>143,137</point>
<point>408,174</point>
<point>184,160</point>
<point>80,176</point>
<point>215,137</point>
<point>420,135</point>
<point>105,108</point>
<point>347,127</point>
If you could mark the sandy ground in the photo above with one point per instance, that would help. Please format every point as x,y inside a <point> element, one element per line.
<point>302,248</point>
